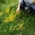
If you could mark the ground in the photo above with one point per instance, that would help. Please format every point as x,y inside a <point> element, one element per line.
<point>13,23</point>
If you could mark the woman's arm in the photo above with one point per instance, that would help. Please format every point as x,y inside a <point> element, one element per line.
<point>18,8</point>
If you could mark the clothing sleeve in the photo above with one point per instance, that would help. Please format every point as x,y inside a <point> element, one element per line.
<point>20,1</point>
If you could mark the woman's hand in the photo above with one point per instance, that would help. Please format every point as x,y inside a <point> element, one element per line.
<point>33,2</point>
<point>18,9</point>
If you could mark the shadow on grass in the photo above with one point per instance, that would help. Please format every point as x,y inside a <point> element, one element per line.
<point>29,22</point>
<point>2,1</point>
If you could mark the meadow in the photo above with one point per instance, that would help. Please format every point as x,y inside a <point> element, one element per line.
<point>13,23</point>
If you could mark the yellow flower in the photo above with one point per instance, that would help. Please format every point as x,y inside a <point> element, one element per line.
<point>20,26</point>
<point>7,10</point>
<point>10,18</point>
<point>6,20</point>
<point>1,13</point>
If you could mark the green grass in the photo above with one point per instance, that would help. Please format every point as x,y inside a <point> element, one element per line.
<point>12,23</point>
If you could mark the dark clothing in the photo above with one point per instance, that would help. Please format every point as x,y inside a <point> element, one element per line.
<point>23,5</point>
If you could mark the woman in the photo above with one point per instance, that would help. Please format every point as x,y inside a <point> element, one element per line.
<point>25,3</point>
